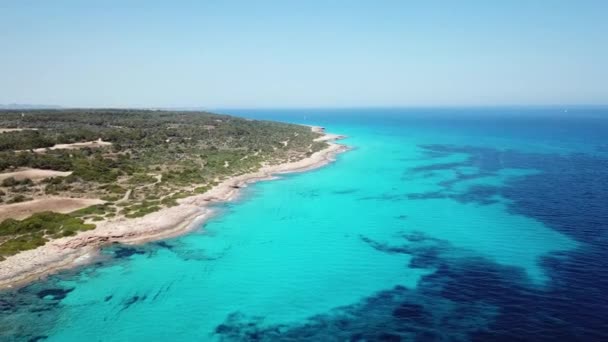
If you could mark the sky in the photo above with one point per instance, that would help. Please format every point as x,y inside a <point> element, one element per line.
<point>267,54</point>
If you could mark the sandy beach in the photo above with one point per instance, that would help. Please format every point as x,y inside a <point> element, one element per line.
<point>189,214</point>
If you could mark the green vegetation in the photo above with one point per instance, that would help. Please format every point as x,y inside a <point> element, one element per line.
<point>184,147</point>
<point>11,181</point>
<point>141,209</point>
<point>94,211</point>
<point>155,158</point>
<point>18,199</point>
<point>16,236</point>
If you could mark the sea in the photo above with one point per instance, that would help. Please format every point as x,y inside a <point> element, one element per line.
<point>439,224</point>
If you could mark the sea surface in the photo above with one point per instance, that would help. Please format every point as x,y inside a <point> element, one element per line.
<point>482,224</point>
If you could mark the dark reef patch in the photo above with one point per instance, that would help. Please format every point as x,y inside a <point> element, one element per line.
<point>480,194</point>
<point>6,306</point>
<point>164,244</point>
<point>27,313</point>
<point>569,194</point>
<point>392,315</point>
<point>54,294</point>
<point>132,300</point>
<point>345,191</point>
<point>442,166</point>
<point>468,298</point>
<point>424,250</point>
<point>472,298</point>
<point>412,312</point>
<point>309,193</point>
<point>391,197</point>
<point>428,195</point>
<point>122,252</point>
<point>460,177</point>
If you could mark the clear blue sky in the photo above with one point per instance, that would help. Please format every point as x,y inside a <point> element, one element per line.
<point>304,53</point>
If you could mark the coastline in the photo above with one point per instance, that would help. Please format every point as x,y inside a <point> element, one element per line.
<point>64,253</point>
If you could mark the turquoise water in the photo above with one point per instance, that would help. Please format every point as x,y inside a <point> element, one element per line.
<point>360,249</point>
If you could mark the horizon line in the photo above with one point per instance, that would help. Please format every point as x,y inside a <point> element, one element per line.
<point>15,106</point>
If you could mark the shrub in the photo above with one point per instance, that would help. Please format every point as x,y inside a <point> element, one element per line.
<point>11,182</point>
<point>32,231</point>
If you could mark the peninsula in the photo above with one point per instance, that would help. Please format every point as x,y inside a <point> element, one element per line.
<point>72,181</point>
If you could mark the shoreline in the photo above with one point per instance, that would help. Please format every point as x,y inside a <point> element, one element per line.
<point>64,253</point>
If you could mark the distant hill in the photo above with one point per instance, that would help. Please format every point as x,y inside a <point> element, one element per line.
<point>27,106</point>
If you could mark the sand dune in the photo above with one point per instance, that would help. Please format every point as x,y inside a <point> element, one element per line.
<point>33,174</point>
<point>90,144</point>
<point>6,130</point>
<point>57,204</point>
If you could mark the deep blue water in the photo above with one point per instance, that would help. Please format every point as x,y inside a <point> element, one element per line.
<point>484,224</point>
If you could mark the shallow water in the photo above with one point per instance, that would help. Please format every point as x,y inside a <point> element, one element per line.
<point>452,224</point>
